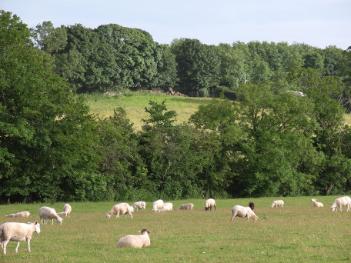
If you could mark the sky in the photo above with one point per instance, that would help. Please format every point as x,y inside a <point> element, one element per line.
<point>318,23</point>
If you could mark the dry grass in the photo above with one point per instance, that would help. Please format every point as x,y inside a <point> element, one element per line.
<point>296,233</point>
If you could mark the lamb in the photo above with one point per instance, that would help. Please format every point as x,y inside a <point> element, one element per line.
<point>13,231</point>
<point>209,204</point>
<point>315,203</point>
<point>48,213</point>
<point>167,207</point>
<point>242,211</point>
<point>139,205</point>
<point>121,209</point>
<point>278,203</point>
<point>67,209</point>
<point>22,214</point>
<point>135,241</point>
<point>188,206</point>
<point>340,202</point>
<point>157,206</point>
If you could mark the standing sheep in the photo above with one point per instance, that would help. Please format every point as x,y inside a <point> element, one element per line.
<point>188,206</point>
<point>139,205</point>
<point>209,204</point>
<point>48,213</point>
<point>13,231</point>
<point>278,203</point>
<point>340,202</point>
<point>22,214</point>
<point>241,211</point>
<point>67,209</point>
<point>121,209</point>
<point>315,203</point>
<point>135,241</point>
<point>157,206</point>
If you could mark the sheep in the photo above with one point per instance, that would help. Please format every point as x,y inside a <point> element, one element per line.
<point>139,205</point>
<point>315,203</point>
<point>47,213</point>
<point>340,202</point>
<point>23,214</point>
<point>67,209</point>
<point>13,231</point>
<point>209,204</point>
<point>188,206</point>
<point>242,211</point>
<point>278,203</point>
<point>157,206</point>
<point>121,208</point>
<point>135,241</point>
<point>167,207</point>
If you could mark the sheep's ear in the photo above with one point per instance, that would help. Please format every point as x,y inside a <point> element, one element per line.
<point>36,222</point>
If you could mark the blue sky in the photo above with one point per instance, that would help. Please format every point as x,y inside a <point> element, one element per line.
<point>316,22</point>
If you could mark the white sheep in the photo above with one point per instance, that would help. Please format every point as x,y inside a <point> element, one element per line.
<point>13,231</point>
<point>188,206</point>
<point>139,205</point>
<point>135,241</point>
<point>278,203</point>
<point>67,209</point>
<point>167,207</point>
<point>340,202</point>
<point>48,213</point>
<point>22,214</point>
<point>121,209</point>
<point>315,203</point>
<point>157,206</point>
<point>242,211</point>
<point>210,204</point>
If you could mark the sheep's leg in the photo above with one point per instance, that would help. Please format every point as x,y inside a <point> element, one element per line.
<point>52,221</point>
<point>5,245</point>
<point>18,244</point>
<point>28,245</point>
<point>233,217</point>
<point>131,215</point>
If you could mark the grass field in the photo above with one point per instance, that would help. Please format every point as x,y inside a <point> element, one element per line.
<point>296,233</point>
<point>135,103</point>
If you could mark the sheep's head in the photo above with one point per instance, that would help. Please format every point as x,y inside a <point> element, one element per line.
<point>144,230</point>
<point>108,215</point>
<point>252,205</point>
<point>333,207</point>
<point>314,200</point>
<point>59,220</point>
<point>37,227</point>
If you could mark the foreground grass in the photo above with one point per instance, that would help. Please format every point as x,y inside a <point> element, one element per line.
<point>297,233</point>
<point>135,103</point>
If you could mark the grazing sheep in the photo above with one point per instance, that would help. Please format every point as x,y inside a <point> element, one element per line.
<point>340,202</point>
<point>209,204</point>
<point>67,209</point>
<point>315,203</point>
<point>139,205</point>
<point>278,203</point>
<point>23,214</point>
<point>121,209</point>
<point>167,207</point>
<point>48,213</point>
<point>242,211</point>
<point>157,206</point>
<point>188,206</point>
<point>13,231</point>
<point>135,241</point>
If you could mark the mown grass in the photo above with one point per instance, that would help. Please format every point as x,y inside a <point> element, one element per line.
<point>297,233</point>
<point>134,104</point>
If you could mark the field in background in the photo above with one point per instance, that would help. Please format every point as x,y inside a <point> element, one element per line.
<point>296,233</point>
<point>134,104</point>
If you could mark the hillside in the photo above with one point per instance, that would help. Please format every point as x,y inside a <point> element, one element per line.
<point>134,104</point>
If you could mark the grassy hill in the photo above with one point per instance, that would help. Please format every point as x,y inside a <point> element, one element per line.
<point>134,104</point>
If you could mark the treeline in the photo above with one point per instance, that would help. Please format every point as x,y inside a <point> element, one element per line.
<point>273,141</point>
<point>112,57</point>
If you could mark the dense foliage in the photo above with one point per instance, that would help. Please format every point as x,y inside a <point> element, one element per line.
<point>283,136</point>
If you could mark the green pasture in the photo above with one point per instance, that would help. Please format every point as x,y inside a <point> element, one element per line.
<point>296,233</point>
<point>134,104</point>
